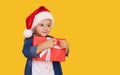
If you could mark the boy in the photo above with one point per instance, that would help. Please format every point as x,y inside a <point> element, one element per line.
<point>39,23</point>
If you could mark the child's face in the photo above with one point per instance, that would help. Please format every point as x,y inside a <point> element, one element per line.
<point>43,28</point>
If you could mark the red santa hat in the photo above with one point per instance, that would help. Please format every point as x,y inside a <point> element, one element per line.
<point>36,17</point>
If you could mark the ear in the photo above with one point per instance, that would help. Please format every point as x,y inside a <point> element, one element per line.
<point>34,30</point>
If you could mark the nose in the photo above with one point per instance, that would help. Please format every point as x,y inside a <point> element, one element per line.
<point>46,28</point>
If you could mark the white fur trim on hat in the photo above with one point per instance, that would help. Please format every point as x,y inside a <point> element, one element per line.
<point>27,33</point>
<point>41,16</point>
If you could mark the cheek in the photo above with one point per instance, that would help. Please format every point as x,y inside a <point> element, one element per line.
<point>38,29</point>
<point>49,30</point>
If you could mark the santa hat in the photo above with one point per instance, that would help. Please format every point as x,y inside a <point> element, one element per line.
<point>36,17</point>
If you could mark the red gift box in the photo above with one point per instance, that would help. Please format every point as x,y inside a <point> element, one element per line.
<point>52,54</point>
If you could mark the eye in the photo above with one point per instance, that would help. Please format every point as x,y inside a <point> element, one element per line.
<point>49,25</point>
<point>41,25</point>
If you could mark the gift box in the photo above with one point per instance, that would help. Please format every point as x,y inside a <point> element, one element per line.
<point>52,54</point>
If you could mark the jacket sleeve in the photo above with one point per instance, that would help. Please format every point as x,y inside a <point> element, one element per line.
<point>29,51</point>
<point>67,53</point>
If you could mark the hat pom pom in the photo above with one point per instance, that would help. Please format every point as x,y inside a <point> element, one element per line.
<point>27,33</point>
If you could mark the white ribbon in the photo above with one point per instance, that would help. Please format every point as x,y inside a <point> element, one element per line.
<point>47,55</point>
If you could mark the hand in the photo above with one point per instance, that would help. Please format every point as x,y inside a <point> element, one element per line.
<point>64,44</point>
<point>49,43</point>
<point>45,45</point>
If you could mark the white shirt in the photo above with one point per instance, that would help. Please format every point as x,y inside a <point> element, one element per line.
<point>42,68</point>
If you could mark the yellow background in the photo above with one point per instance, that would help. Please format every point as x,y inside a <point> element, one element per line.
<point>92,28</point>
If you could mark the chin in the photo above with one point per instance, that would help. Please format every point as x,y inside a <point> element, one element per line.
<point>44,35</point>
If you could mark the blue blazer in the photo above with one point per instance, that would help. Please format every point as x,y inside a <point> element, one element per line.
<point>29,51</point>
